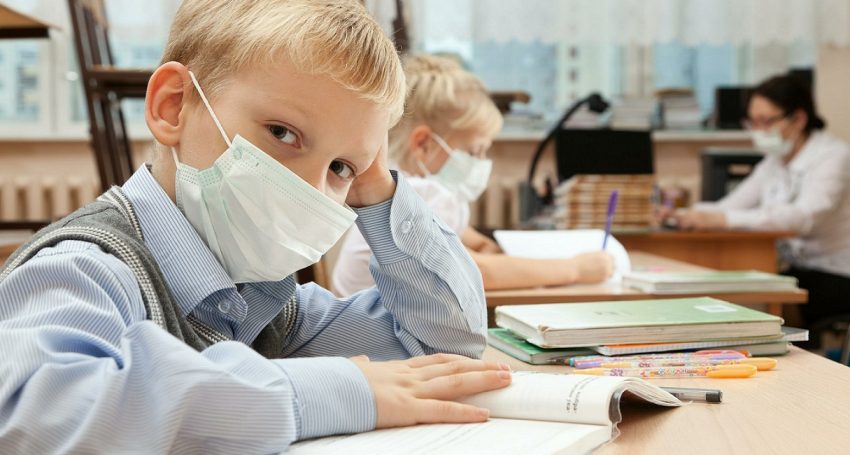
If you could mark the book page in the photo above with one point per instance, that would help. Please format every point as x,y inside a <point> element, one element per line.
<point>563,244</point>
<point>497,436</point>
<point>552,397</point>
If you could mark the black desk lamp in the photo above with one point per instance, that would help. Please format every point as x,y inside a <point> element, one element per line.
<point>596,104</point>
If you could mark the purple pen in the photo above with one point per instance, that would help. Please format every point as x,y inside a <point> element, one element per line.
<point>609,220</point>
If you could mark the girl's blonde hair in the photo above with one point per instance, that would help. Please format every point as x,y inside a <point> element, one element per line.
<point>334,38</point>
<point>444,96</point>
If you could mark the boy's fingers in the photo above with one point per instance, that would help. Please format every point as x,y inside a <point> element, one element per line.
<point>436,411</point>
<point>464,384</point>
<point>433,359</point>
<point>458,367</point>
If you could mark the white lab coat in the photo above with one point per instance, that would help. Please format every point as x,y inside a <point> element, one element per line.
<point>808,196</point>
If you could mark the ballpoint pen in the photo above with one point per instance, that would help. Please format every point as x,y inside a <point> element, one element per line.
<point>714,371</point>
<point>609,219</point>
<point>694,394</point>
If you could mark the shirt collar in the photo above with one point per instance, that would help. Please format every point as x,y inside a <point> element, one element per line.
<point>190,268</point>
<point>801,162</point>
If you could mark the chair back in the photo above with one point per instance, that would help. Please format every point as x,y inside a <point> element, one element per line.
<point>106,121</point>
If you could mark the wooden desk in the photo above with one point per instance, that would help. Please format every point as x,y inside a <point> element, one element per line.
<point>721,250</point>
<point>15,25</point>
<point>803,406</point>
<point>640,261</point>
<point>10,241</point>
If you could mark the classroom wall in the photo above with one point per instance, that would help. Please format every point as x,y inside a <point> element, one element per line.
<point>832,84</point>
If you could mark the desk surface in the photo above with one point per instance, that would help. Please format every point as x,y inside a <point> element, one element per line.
<point>721,250</point>
<point>640,261</point>
<point>803,406</point>
<point>10,241</point>
<point>727,235</point>
<point>15,25</point>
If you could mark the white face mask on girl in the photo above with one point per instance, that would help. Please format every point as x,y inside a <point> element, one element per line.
<point>261,220</point>
<point>463,174</point>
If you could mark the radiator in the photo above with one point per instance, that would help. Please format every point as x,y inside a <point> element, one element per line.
<point>35,198</point>
<point>29,198</point>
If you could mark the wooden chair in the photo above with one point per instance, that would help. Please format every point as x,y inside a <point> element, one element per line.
<point>503,99</point>
<point>105,86</point>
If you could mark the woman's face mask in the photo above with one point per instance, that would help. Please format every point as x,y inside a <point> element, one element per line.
<point>771,142</point>
<point>262,221</point>
<point>772,131</point>
<point>463,174</point>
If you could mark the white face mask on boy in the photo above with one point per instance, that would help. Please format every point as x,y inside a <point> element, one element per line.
<point>262,221</point>
<point>463,174</point>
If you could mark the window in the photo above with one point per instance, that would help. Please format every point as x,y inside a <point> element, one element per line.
<point>40,89</point>
<point>562,51</point>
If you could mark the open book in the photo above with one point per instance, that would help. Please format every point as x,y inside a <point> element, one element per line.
<point>537,414</point>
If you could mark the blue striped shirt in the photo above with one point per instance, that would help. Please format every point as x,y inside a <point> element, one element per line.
<point>82,370</point>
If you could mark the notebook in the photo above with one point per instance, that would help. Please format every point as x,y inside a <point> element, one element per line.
<point>775,345</point>
<point>566,325</point>
<point>708,281</point>
<point>563,244</point>
<point>516,347</point>
<point>538,413</point>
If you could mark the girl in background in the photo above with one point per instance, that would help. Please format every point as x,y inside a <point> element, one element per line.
<point>441,144</point>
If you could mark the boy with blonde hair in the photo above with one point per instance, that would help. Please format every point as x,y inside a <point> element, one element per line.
<point>164,317</point>
<point>441,142</point>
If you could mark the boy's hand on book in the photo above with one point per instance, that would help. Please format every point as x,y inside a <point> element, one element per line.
<point>593,267</point>
<point>374,185</point>
<point>422,389</point>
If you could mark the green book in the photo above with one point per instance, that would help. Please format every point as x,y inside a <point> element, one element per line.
<point>708,281</point>
<point>516,347</point>
<point>566,325</point>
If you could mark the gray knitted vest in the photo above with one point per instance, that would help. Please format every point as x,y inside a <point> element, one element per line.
<point>110,222</point>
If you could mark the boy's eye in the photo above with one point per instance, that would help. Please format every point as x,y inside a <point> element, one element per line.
<point>283,134</point>
<point>341,169</point>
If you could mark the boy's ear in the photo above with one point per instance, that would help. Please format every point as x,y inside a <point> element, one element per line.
<point>418,141</point>
<point>164,102</point>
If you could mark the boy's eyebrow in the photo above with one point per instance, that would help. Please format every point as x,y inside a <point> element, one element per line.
<point>290,103</point>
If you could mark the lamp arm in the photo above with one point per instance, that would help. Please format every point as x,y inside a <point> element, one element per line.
<point>551,135</point>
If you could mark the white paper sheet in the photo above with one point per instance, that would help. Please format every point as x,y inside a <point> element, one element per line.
<point>564,244</point>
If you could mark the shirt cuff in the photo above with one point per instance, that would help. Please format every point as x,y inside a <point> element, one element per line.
<point>332,396</point>
<point>410,223</point>
<point>742,219</point>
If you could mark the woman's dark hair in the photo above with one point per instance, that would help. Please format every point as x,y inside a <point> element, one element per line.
<point>791,95</point>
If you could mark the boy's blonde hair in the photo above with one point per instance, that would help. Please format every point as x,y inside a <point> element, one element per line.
<point>444,96</point>
<point>334,38</point>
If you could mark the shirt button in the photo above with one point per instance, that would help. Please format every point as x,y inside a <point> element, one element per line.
<point>224,306</point>
<point>406,226</point>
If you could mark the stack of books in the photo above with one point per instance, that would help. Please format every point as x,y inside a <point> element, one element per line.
<point>634,113</point>
<point>708,282</point>
<point>680,110</point>
<point>581,202</point>
<point>551,333</point>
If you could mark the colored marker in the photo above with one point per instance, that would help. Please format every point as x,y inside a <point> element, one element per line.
<point>715,371</point>
<point>761,363</point>
<point>710,353</point>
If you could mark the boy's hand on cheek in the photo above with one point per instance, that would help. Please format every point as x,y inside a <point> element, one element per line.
<point>373,186</point>
<point>422,389</point>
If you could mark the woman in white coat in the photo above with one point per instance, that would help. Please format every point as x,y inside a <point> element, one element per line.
<point>802,186</point>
